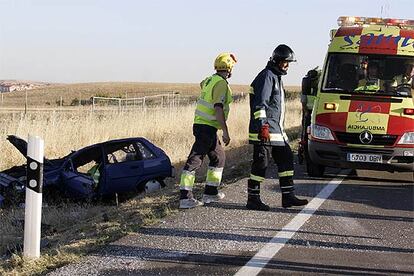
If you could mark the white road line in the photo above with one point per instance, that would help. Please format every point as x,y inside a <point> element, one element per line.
<point>259,261</point>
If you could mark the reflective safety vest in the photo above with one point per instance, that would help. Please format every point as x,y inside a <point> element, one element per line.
<point>307,100</point>
<point>205,113</point>
<point>370,85</point>
<point>401,79</point>
<point>310,99</point>
<point>94,173</point>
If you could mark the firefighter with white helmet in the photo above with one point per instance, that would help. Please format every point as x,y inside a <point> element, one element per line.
<point>210,115</point>
<point>266,131</point>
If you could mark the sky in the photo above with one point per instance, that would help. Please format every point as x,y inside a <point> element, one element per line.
<point>70,41</point>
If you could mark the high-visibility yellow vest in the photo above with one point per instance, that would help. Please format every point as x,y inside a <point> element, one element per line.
<point>94,172</point>
<point>310,99</point>
<point>370,85</point>
<point>401,79</point>
<point>205,113</point>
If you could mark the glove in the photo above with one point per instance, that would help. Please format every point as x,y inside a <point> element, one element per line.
<point>264,135</point>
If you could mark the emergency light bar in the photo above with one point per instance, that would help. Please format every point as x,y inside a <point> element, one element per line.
<point>359,21</point>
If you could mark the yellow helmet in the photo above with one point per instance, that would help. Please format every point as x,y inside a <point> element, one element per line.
<point>225,62</point>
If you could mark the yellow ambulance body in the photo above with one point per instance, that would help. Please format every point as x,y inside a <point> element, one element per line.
<point>363,114</point>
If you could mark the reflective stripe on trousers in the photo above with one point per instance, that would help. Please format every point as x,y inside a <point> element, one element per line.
<point>206,143</point>
<point>214,176</point>
<point>187,180</point>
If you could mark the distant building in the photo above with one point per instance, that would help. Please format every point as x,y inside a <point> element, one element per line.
<point>10,87</point>
<point>4,88</point>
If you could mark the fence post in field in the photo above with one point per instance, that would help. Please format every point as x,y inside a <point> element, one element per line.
<point>33,205</point>
<point>25,103</point>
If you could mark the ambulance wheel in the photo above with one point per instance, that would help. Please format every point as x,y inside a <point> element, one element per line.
<point>313,169</point>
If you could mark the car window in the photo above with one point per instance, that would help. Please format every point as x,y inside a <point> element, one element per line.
<point>144,151</point>
<point>87,167</point>
<point>83,161</point>
<point>122,152</point>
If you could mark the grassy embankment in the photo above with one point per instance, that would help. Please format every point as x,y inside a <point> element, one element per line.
<point>70,229</point>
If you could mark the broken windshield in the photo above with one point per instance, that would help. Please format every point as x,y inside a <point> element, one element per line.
<point>365,74</point>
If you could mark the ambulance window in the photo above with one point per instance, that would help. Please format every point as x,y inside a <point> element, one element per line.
<point>369,74</point>
<point>342,73</point>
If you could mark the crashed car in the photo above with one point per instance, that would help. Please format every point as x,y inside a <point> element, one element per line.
<point>99,170</point>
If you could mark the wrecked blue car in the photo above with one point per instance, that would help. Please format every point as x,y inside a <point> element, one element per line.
<point>99,170</point>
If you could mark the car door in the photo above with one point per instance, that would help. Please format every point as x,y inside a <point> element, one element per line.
<point>124,167</point>
<point>76,185</point>
<point>76,175</point>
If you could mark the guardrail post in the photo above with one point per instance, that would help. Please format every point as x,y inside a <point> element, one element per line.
<point>33,206</point>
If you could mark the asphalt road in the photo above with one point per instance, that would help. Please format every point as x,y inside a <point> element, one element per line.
<point>355,224</point>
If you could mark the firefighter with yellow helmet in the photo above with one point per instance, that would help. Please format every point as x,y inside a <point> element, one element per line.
<point>210,115</point>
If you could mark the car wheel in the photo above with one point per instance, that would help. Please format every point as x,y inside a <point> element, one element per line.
<point>15,194</point>
<point>153,185</point>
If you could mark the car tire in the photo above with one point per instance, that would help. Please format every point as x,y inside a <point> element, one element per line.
<point>14,195</point>
<point>151,185</point>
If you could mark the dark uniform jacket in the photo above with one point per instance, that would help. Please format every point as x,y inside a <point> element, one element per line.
<point>267,106</point>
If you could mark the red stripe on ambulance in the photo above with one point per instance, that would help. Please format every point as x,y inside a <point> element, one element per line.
<point>371,44</point>
<point>369,107</point>
<point>335,121</point>
<point>407,33</point>
<point>398,125</point>
<point>348,31</point>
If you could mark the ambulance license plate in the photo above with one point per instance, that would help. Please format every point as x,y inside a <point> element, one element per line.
<point>360,157</point>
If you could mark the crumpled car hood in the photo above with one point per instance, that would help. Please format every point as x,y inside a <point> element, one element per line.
<point>19,143</point>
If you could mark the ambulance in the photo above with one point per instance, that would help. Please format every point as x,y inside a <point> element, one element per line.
<point>363,111</point>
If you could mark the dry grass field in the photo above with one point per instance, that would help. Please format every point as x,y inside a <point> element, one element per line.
<point>52,95</point>
<point>73,229</point>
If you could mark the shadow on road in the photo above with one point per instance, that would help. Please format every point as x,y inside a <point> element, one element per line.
<point>172,262</point>
<point>388,194</point>
<point>320,212</point>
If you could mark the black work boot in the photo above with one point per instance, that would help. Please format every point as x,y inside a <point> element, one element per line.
<point>253,197</point>
<point>255,203</point>
<point>289,200</point>
<point>288,196</point>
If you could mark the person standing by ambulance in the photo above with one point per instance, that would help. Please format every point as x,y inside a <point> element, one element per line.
<point>210,115</point>
<point>266,131</point>
<point>307,98</point>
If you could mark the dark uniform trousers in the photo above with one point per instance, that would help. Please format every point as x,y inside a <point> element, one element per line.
<point>206,143</point>
<point>283,157</point>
